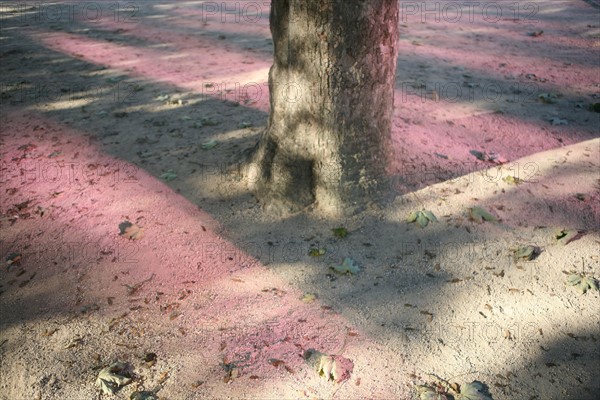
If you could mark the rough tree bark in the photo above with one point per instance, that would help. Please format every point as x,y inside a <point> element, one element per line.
<point>332,99</point>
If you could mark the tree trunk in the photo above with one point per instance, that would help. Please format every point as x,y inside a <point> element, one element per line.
<point>332,99</point>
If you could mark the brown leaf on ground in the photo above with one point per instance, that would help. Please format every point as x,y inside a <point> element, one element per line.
<point>130,231</point>
<point>163,377</point>
<point>276,362</point>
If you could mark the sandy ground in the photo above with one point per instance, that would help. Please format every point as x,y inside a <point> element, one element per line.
<point>99,103</point>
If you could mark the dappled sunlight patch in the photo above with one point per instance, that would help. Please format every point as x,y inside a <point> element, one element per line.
<point>118,56</point>
<point>510,280</point>
<point>63,105</point>
<point>548,174</point>
<point>433,140</point>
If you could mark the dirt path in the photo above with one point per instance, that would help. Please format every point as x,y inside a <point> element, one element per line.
<point>103,119</point>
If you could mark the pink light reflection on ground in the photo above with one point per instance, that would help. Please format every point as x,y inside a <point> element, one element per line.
<point>190,72</point>
<point>180,64</point>
<point>181,244</point>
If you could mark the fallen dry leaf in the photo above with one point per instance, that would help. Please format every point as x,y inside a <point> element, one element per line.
<point>197,384</point>
<point>308,297</point>
<point>150,359</point>
<point>163,377</point>
<point>276,362</point>
<point>111,378</point>
<point>131,231</point>
<point>49,332</point>
<point>332,367</point>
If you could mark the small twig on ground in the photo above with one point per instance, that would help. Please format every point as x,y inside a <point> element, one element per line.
<point>131,289</point>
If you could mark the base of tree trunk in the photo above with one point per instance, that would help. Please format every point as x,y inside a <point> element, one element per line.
<point>286,184</point>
